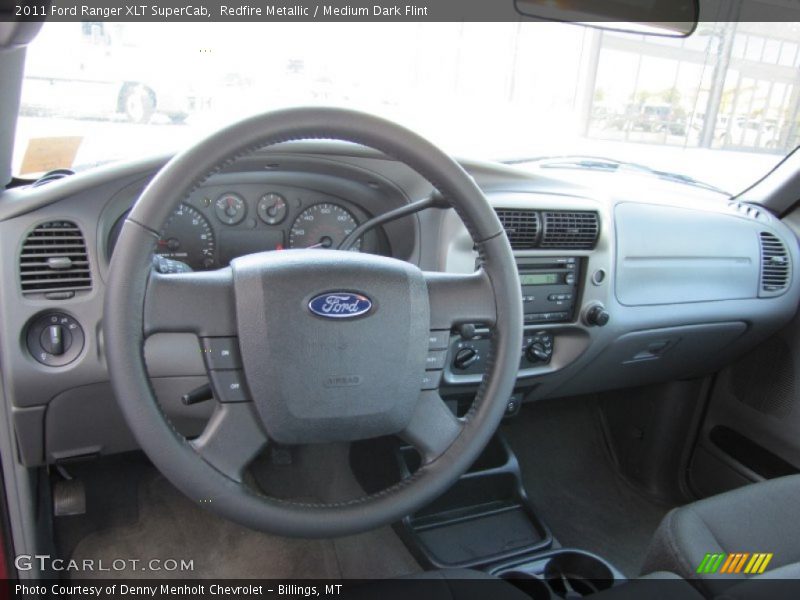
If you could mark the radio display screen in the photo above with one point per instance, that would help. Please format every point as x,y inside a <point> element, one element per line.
<point>538,278</point>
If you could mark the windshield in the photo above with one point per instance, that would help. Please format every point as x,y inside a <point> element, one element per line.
<point>719,107</point>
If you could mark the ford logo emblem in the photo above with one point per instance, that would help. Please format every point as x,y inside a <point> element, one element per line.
<point>340,305</point>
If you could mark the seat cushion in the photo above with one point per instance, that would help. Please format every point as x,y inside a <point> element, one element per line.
<point>763,517</point>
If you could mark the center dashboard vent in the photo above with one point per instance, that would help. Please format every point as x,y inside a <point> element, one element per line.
<point>572,230</point>
<point>522,227</point>
<point>775,266</point>
<point>54,262</point>
<point>550,229</point>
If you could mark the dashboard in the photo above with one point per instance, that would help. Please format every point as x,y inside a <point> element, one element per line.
<point>620,287</point>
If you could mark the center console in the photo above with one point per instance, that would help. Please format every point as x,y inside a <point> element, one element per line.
<point>484,518</point>
<point>550,289</point>
<point>487,522</point>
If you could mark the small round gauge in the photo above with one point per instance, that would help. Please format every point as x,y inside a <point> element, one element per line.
<point>322,226</point>
<point>272,208</point>
<point>188,237</point>
<point>230,208</point>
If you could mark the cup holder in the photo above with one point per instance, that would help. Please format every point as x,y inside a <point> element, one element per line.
<point>530,584</point>
<point>563,573</point>
<point>575,575</point>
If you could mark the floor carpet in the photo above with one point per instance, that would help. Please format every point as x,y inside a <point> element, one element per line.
<point>165,524</point>
<point>571,479</point>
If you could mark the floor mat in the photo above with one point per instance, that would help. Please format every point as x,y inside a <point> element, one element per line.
<point>170,526</point>
<point>572,482</point>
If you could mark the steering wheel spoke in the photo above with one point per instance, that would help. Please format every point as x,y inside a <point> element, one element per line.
<point>232,438</point>
<point>433,427</point>
<point>457,299</point>
<point>201,302</point>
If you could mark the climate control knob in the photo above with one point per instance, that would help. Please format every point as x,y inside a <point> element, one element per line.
<point>537,352</point>
<point>465,358</point>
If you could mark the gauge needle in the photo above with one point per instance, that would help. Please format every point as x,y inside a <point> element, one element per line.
<point>325,242</point>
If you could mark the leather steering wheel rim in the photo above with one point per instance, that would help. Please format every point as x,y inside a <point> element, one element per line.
<point>126,324</point>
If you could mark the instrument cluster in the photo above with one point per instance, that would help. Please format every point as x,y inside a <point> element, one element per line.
<point>216,224</point>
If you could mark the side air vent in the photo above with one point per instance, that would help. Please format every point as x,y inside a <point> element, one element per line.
<point>53,261</point>
<point>570,230</point>
<point>775,267</point>
<point>52,176</point>
<point>522,227</point>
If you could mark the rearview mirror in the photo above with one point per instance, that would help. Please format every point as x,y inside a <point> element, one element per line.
<point>675,18</point>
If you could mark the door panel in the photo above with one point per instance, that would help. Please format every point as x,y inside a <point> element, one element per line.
<point>752,428</point>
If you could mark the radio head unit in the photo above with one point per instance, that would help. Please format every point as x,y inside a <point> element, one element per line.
<point>549,288</point>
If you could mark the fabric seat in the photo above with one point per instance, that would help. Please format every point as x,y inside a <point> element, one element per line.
<point>759,518</point>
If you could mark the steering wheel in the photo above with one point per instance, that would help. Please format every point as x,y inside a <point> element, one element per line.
<point>307,377</point>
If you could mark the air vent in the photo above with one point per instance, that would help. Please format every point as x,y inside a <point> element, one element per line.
<point>747,210</point>
<point>775,267</point>
<point>51,176</point>
<point>522,227</point>
<point>570,230</point>
<point>53,261</point>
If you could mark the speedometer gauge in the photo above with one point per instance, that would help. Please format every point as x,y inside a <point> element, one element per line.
<point>188,237</point>
<point>323,226</point>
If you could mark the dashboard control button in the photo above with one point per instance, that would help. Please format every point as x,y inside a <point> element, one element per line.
<point>54,339</point>
<point>597,315</point>
<point>431,379</point>
<point>435,359</point>
<point>465,358</point>
<point>221,353</point>
<point>598,277</point>
<point>229,386</point>
<point>438,340</point>
<point>538,347</point>
<point>537,352</point>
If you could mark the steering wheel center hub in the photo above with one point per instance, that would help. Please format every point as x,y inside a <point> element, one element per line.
<point>333,343</point>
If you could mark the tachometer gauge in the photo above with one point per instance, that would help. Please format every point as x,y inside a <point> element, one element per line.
<point>230,208</point>
<point>188,237</point>
<point>322,226</point>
